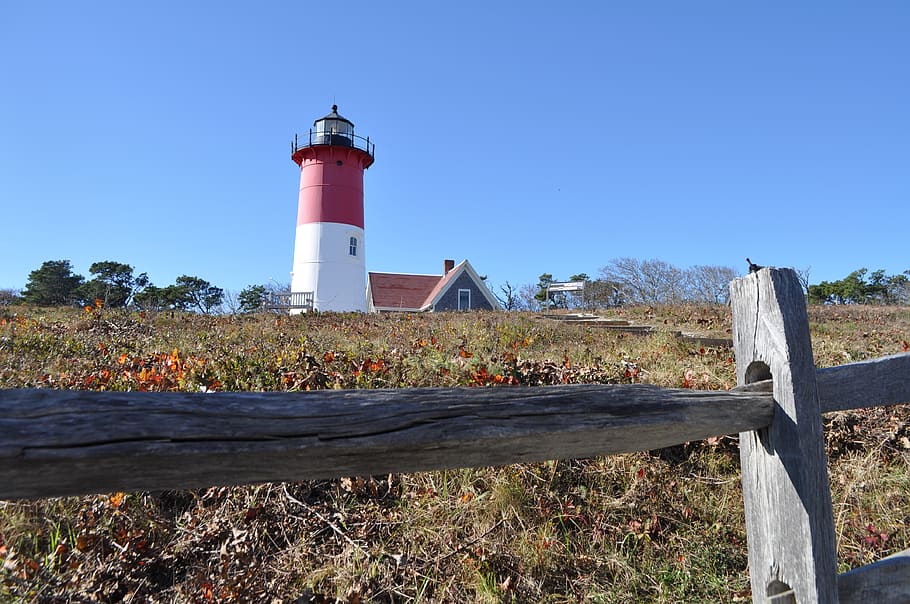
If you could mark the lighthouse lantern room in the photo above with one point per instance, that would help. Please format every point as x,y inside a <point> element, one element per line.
<point>329,271</point>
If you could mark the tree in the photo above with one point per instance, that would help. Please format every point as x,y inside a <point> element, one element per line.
<point>509,299</point>
<point>821,293</point>
<point>646,281</point>
<point>601,293</point>
<point>853,287</point>
<point>899,289</point>
<point>155,298</point>
<point>53,284</point>
<point>527,295</point>
<point>710,283</point>
<point>196,293</point>
<point>803,275</point>
<point>849,290</point>
<point>188,293</point>
<point>253,298</point>
<point>113,284</point>
<point>230,302</point>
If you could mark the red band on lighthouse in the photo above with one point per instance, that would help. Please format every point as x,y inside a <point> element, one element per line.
<point>329,192</point>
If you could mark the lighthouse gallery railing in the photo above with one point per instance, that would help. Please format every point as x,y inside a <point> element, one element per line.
<point>314,138</point>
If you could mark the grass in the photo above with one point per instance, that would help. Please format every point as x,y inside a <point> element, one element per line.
<point>657,526</point>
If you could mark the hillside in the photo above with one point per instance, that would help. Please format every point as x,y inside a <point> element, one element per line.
<point>658,526</point>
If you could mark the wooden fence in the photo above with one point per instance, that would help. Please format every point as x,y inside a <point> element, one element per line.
<point>55,442</point>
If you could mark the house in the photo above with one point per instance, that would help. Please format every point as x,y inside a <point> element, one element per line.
<point>458,288</point>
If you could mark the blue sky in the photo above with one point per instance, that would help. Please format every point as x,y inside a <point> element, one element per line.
<point>528,137</point>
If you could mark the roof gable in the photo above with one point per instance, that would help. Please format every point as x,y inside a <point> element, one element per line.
<point>453,275</point>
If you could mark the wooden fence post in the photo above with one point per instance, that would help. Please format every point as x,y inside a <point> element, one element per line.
<point>789,521</point>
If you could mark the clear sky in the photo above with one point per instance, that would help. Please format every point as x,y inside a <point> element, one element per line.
<point>528,137</point>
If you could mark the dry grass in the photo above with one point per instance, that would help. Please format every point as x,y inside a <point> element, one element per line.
<point>659,526</point>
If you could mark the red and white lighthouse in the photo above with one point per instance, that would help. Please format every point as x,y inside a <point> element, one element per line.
<point>329,270</point>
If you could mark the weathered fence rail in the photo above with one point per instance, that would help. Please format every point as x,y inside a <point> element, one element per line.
<point>55,442</point>
<point>69,442</point>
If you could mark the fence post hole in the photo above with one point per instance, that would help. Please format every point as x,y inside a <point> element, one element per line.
<point>789,523</point>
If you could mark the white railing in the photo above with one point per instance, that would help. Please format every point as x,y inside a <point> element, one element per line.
<point>289,301</point>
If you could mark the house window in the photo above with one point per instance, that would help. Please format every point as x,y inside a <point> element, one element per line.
<point>352,246</point>
<point>464,299</point>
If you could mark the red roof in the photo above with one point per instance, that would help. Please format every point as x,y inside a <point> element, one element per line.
<point>395,290</point>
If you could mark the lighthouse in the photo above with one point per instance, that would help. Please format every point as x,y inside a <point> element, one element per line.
<point>329,271</point>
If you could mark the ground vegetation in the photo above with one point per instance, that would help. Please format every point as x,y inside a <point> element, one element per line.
<point>655,526</point>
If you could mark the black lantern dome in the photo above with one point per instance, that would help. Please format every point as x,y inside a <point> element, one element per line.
<point>334,130</point>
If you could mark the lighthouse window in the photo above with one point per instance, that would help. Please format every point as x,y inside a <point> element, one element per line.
<point>352,249</point>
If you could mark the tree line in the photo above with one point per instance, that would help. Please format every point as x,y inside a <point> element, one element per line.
<point>625,281</point>
<point>622,281</point>
<point>629,281</point>
<point>863,287</point>
<point>115,285</point>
